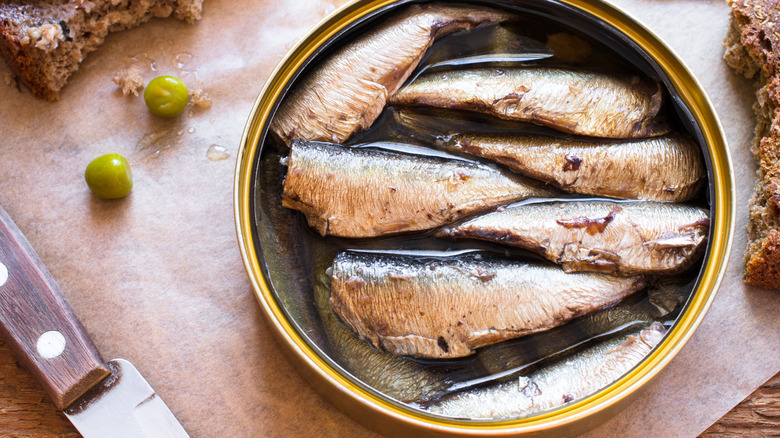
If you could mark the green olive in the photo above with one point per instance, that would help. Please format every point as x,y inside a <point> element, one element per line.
<point>108,176</point>
<point>166,96</point>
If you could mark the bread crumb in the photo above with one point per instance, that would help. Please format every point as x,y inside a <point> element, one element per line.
<point>200,99</point>
<point>130,81</point>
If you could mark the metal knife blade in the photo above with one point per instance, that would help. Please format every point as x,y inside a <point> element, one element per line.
<point>37,322</point>
<point>123,405</point>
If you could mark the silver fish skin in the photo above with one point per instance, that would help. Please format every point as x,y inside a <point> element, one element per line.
<point>576,102</point>
<point>624,238</point>
<point>669,168</point>
<point>365,192</point>
<point>447,307</point>
<point>347,91</point>
<point>569,380</point>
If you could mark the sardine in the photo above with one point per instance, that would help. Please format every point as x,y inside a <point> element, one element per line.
<point>576,102</point>
<point>563,382</point>
<point>615,237</point>
<point>447,307</point>
<point>668,168</point>
<point>346,92</point>
<point>365,192</point>
<point>394,376</point>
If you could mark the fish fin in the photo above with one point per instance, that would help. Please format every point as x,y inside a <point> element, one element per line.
<point>508,104</point>
<point>575,258</point>
<point>527,387</point>
<point>531,390</point>
<point>652,335</point>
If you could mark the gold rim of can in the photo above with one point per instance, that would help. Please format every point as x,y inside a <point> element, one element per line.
<point>393,417</point>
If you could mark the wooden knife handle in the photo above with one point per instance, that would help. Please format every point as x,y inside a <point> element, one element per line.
<point>39,325</point>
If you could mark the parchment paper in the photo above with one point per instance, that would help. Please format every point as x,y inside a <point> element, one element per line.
<point>157,277</point>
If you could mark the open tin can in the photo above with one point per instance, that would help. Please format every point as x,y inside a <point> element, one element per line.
<point>284,258</point>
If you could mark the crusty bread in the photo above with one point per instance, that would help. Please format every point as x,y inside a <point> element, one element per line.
<point>753,49</point>
<point>44,41</point>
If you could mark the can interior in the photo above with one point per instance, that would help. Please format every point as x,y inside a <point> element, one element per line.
<point>289,252</point>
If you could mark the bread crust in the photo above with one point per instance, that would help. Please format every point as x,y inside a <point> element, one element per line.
<point>45,41</point>
<point>20,63</point>
<point>753,49</point>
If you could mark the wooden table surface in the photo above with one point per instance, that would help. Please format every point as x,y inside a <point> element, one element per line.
<point>758,415</point>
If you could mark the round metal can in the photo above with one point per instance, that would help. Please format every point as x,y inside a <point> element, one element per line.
<point>598,19</point>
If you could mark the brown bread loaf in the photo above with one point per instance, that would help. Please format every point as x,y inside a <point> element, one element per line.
<point>45,41</point>
<point>753,49</point>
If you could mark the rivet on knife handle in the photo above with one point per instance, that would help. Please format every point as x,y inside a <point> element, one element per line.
<point>39,324</point>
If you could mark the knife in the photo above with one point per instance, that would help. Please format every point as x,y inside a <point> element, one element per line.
<point>100,399</point>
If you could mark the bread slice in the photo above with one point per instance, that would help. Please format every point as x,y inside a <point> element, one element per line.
<point>44,41</point>
<point>753,49</point>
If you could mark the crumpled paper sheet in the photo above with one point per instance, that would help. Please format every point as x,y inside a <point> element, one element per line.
<point>157,278</point>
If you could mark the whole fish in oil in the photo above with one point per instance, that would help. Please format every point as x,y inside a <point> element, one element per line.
<point>364,192</point>
<point>570,379</point>
<point>668,168</point>
<point>347,91</point>
<point>603,236</point>
<point>447,307</point>
<point>576,102</point>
